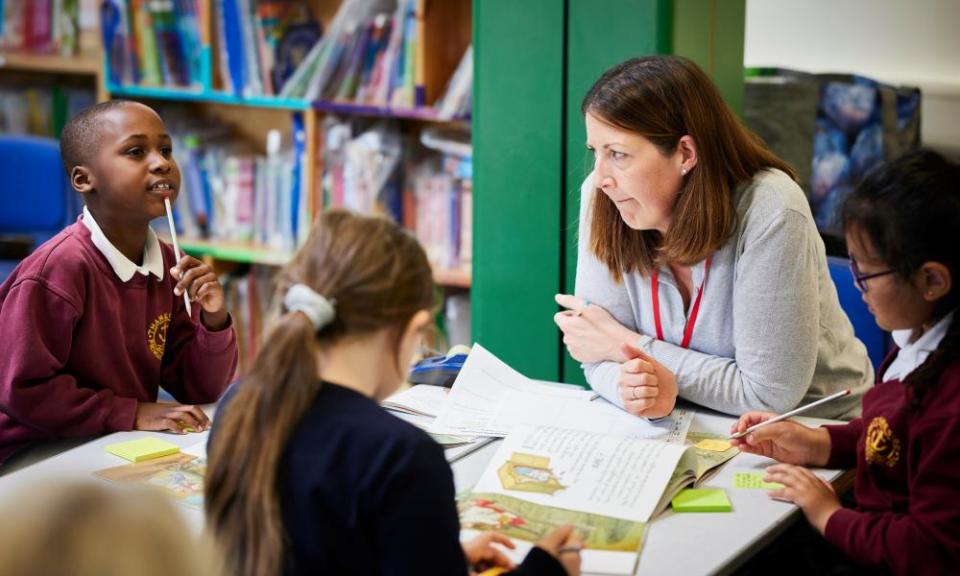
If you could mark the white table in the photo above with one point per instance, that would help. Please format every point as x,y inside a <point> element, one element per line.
<point>687,544</point>
<point>692,544</point>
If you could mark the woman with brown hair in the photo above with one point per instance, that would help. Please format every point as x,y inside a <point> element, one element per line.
<point>700,272</point>
<point>306,473</point>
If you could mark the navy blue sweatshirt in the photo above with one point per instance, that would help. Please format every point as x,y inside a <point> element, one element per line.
<point>365,493</point>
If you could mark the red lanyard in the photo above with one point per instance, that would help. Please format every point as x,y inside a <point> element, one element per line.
<point>655,289</point>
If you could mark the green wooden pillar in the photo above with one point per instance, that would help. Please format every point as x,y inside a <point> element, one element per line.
<point>518,169</point>
<point>601,33</point>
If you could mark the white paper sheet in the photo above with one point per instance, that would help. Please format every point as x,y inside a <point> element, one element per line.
<point>489,397</point>
<point>422,399</point>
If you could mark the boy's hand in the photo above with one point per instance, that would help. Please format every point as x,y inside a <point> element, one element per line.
<point>813,494</point>
<point>177,418</point>
<point>201,285</point>
<point>786,441</point>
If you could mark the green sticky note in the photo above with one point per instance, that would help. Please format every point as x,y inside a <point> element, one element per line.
<point>753,480</point>
<point>143,449</point>
<point>701,500</point>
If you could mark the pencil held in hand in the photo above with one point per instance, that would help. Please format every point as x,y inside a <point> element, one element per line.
<point>793,412</point>
<point>176,247</point>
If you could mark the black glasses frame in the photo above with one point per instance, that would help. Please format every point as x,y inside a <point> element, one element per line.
<point>860,279</point>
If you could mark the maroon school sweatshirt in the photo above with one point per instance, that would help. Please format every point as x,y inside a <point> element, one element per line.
<point>907,486</point>
<point>79,347</point>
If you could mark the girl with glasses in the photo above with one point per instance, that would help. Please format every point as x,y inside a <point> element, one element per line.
<point>901,227</point>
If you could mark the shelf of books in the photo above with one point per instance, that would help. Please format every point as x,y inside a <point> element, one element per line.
<point>49,65</point>
<point>282,108</point>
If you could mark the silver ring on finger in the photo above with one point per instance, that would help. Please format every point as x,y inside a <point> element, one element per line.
<point>635,397</point>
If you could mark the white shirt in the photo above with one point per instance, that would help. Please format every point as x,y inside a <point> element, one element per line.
<point>122,266</point>
<point>914,353</point>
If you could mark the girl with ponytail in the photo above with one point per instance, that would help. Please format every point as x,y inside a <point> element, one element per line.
<point>902,226</point>
<point>306,473</point>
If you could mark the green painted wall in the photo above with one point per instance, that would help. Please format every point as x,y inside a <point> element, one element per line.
<point>518,169</point>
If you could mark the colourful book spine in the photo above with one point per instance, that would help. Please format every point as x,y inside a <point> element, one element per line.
<point>420,62</point>
<point>146,44</point>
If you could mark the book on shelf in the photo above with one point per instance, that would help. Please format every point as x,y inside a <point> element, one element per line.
<point>457,99</point>
<point>570,457</point>
<point>233,194</point>
<point>41,111</point>
<point>372,54</point>
<point>371,168</point>
<point>40,26</point>
<point>261,42</point>
<point>163,43</point>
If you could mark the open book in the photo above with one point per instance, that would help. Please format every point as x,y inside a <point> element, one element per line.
<point>570,461</point>
<point>607,485</point>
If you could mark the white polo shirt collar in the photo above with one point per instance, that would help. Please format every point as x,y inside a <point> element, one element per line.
<point>914,353</point>
<point>123,266</point>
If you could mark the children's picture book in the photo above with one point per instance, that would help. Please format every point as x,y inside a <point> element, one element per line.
<point>609,486</point>
<point>179,475</point>
<point>568,457</point>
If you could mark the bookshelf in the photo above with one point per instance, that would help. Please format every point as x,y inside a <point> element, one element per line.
<point>210,86</point>
<point>52,71</point>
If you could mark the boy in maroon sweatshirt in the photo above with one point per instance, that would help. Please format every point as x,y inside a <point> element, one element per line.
<point>901,225</point>
<point>93,323</point>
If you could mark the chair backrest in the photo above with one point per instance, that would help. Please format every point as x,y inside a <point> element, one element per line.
<point>36,191</point>
<point>864,325</point>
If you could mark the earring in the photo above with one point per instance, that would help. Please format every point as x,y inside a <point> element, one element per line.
<point>683,171</point>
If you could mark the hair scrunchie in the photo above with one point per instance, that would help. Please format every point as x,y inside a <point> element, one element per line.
<point>319,309</point>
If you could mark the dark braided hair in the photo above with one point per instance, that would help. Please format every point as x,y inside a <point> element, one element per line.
<point>910,210</point>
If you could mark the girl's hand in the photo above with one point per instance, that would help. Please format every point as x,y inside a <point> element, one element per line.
<point>177,418</point>
<point>200,283</point>
<point>786,441</point>
<point>563,544</point>
<point>647,388</point>
<point>813,494</point>
<point>590,333</point>
<point>480,550</point>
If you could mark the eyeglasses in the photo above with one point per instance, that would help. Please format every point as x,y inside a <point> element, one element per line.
<point>860,279</point>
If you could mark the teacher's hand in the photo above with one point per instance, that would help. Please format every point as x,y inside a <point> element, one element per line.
<point>647,388</point>
<point>590,333</point>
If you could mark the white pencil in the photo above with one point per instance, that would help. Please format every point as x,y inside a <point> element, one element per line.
<point>176,247</point>
<point>793,412</point>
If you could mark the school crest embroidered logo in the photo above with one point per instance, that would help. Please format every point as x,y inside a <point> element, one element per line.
<point>882,446</point>
<point>157,334</point>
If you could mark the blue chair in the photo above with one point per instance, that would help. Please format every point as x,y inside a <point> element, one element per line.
<point>36,201</point>
<point>864,326</point>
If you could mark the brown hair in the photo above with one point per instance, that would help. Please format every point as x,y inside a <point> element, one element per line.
<point>95,529</point>
<point>664,98</point>
<point>379,277</point>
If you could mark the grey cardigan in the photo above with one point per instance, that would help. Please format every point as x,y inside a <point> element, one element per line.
<point>770,333</point>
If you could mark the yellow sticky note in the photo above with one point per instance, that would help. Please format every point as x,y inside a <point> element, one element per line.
<point>753,480</point>
<point>713,445</point>
<point>701,500</point>
<point>143,449</point>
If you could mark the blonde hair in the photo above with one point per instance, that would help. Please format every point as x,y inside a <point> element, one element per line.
<point>88,529</point>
